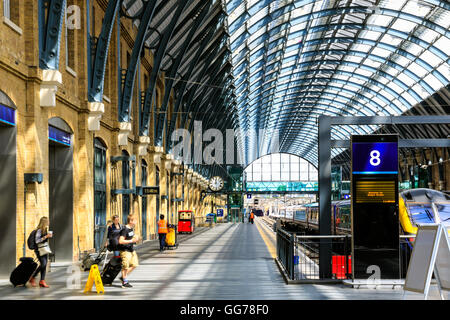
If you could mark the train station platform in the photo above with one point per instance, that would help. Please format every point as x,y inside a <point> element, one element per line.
<point>231,261</point>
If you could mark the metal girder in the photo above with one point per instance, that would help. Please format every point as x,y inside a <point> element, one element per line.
<point>441,119</point>
<point>51,16</point>
<point>402,143</point>
<point>96,70</point>
<point>182,89</point>
<point>174,68</point>
<point>125,99</point>
<point>151,89</point>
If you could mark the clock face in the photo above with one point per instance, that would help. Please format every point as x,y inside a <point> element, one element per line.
<point>216,183</point>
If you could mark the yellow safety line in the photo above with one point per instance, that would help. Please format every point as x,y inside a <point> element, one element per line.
<point>269,244</point>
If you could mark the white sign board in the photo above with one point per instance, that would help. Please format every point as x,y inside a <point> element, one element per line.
<point>431,252</point>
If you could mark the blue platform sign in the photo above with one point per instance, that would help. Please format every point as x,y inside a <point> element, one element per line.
<point>220,212</point>
<point>59,136</point>
<point>375,157</point>
<point>249,195</point>
<point>7,115</point>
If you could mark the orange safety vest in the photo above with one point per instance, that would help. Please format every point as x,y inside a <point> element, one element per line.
<point>162,226</point>
<point>252,215</point>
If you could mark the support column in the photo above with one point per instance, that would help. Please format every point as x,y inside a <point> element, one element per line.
<point>325,195</point>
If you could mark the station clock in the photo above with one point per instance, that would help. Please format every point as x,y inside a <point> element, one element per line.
<point>216,183</point>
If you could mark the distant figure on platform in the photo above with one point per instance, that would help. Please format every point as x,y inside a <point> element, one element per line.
<point>252,217</point>
<point>128,254</point>
<point>42,236</point>
<point>113,235</point>
<point>162,232</point>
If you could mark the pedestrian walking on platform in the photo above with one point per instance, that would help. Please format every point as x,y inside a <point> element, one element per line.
<point>41,240</point>
<point>252,217</point>
<point>128,254</point>
<point>162,232</point>
<point>113,235</point>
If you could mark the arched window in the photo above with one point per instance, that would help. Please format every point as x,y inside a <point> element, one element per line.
<point>280,167</point>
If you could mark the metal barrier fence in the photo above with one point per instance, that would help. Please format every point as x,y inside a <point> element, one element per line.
<point>285,251</point>
<point>306,251</point>
<point>299,255</point>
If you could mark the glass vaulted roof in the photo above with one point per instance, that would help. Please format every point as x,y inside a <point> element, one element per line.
<point>295,60</point>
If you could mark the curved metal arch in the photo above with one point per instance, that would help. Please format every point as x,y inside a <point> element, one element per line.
<point>392,64</point>
<point>347,63</point>
<point>361,9</point>
<point>351,84</point>
<point>407,54</point>
<point>97,74</point>
<point>50,27</point>
<point>366,78</point>
<point>174,69</point>
<point>365,89</point>
<point>128,86</point>
<point>206,67</point>
<point>151,92</point>
<point>182,89</point>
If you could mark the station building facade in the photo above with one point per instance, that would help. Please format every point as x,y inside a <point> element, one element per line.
<point>50,131</point>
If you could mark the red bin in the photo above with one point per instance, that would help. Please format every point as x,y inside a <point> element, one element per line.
<point>339,267</point>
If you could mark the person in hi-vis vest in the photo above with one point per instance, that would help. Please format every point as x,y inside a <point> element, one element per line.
<point>252,216</point>
<point>162,232</point>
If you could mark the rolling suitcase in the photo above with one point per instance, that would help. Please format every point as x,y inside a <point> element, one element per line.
<point>111,270</point>
<point>23,272</point>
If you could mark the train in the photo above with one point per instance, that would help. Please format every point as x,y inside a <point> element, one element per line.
<point>415,207</point>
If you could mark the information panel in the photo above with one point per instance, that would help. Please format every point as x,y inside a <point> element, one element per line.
<point>59,136</point>
<point>377,191</point>
<point>7,115</point>
<point>374,188</point>
<point>375,157</point>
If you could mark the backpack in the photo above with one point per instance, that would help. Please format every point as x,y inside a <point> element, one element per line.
<point>114,238</point>
<point>32,240</point>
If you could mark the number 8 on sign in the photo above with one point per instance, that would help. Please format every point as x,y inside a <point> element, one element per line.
<point>375,158</point>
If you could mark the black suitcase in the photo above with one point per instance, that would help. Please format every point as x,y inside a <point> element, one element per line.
<point>112,269</point>
<point>23,272</point>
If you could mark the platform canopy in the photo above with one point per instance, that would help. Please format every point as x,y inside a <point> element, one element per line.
<point>270,68</point>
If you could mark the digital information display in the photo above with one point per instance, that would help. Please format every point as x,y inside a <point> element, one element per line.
<point>375,191</point>
<point>7,115</point>
<point>375,157</point>
<point>59,136</point>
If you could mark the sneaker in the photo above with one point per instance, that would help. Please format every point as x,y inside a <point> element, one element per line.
<point>126,285</point>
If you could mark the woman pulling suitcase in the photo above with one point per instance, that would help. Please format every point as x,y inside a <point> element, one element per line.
<point>42,251</point>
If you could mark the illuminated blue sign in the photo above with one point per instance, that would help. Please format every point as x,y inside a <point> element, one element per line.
<point>7,115</point>
<point>375,157</point>
<point>59,136</point>
<point>220,212</point>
